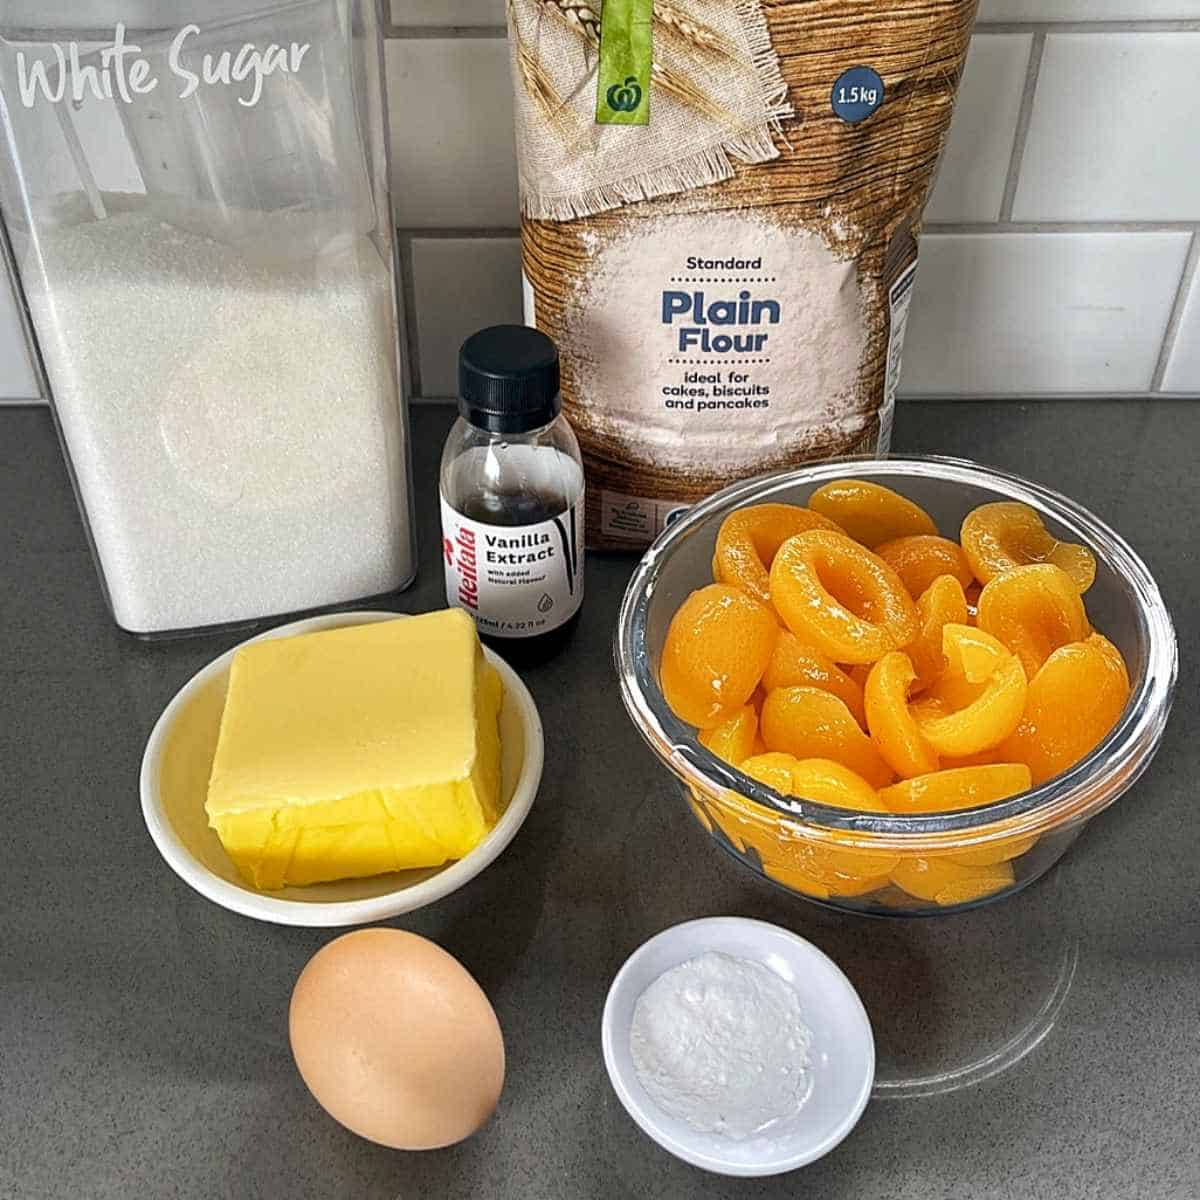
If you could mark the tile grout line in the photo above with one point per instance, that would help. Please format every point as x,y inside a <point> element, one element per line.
<point>1037,397</point>
<point>1129,25</point>
<point>959,397</point>
<point>400,32</point>
<point>404,305</point>
<point>1171,334</point>
<point>463,231</point>
<point>408,294</point>
<point>416,33</point>
<point>916,398</point>
<point>1024,120</point>
<point>1009,227</point>
<point>418,233</point>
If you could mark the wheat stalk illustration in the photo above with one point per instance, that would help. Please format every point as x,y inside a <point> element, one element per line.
<point>582,18</point>
<point>675,21</point>
<point>539,86</point>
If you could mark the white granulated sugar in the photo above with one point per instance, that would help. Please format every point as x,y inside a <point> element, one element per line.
<point>635,381</point>
<point>720,1042</point>
<point>234,427</point>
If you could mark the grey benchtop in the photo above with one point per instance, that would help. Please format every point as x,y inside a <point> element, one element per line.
<point>143,1048</point>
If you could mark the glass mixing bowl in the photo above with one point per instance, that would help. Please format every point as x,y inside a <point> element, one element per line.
<point>846,859</point>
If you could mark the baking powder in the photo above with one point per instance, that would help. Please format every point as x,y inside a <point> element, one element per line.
<point>720,1042</point>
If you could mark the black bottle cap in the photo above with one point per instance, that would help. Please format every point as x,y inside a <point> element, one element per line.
<point>508,379</point>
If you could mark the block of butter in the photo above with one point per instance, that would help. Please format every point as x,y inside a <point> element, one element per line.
<point>356,751</point>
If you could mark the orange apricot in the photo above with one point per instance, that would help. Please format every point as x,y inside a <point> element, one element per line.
<point>974,654</point>
<point>864,885</point>
<point>981,758</point>
<point>989,881</point>
<point>962,787</point>
<point>749,539</point>
<point>923,558</point>
<point>821,780</point>
<point>870,513</point>
<point>791,876</point>
<point>793,664</point>
<point>991,853</point>
<point>1033,610</point>
<point>773,768</point>
<point>1072,704</point>
<point>945,882</point>
<point>748,825</point>
<point>941,604</point>
<point>745,827</point>
<point>948,693</point>
<point>810,723</point>
<point>816,871</point>
<point>734,739</point>
<point>1005,534</point>
<point>976,661</point>
<point>893,728</point>
<point>840,872</point>
<point>841,599</point>
<point>716,650</point>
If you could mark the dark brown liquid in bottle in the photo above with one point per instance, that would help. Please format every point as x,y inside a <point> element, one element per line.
<point>517,509</point>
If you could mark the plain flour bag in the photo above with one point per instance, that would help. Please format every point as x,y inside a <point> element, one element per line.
<point>728,283</point>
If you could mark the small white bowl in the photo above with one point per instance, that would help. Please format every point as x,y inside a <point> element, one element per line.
<point>174,784</point>
<point>842,1051</point>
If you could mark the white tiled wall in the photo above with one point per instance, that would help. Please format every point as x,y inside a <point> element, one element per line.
<point>453,164</point>
<point>461,284</point>
<point>1041,312</point>
<point>1114,130</point>
<point>974,168</point>
<point>1082,279</point>
<point>1183,370</point>
<point>1062,238</point>
<point>447,13</point>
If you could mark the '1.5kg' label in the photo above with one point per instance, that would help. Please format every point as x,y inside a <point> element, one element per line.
<point>517,581</point>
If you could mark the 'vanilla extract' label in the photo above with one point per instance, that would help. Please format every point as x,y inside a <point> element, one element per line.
<point>517,581</point>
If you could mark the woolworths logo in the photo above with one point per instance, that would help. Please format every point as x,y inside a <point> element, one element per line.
<point>625,97</point>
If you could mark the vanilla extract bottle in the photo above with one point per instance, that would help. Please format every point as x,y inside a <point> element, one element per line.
<point>512,495</point>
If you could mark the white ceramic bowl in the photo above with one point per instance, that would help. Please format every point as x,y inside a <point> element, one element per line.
<point>842,1052</point>
<point>174,783</point>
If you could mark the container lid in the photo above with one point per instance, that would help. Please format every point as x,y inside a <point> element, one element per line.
<point>508,379</point>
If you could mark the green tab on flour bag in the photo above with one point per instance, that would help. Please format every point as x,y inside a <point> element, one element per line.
<point>623,92</point>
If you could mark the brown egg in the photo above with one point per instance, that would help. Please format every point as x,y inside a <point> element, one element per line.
<point>395,1040</point>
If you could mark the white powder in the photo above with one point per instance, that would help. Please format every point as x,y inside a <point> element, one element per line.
<point>635,381</point>
<point>234,427</point>
<point>721,1043</point>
